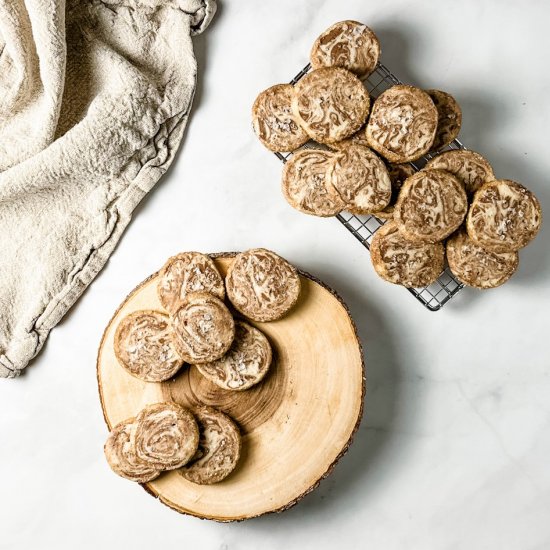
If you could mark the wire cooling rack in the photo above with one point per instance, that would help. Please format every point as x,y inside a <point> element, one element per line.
<point>363,227</point>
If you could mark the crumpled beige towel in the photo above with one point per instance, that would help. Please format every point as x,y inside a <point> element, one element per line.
<point>94,98</point>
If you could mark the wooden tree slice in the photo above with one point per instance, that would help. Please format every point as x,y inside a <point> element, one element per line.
<point>295,424</point>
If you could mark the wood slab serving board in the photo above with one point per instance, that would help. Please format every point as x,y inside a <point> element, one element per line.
<point>296,423</point>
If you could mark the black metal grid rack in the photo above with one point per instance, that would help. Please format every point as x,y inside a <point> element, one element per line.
<point>363,227</point>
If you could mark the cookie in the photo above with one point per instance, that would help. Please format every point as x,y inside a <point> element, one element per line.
<point>219,448</point>
<point>273,121</point>
<point>476,266</point>
<point>306,183</point>
<point>402,124</point>
<point>188,272</point>
<point>403,262</point>
<point>347,44</point>
<point>144,346</point>
<point>246,362</point>
<point>261,285</point>
<point>431,205</point>
<point>330,104</point>
<point>121,455</point>
<point>361,179</point>
<point>359,138</point>
<point>398,174</point>
<point>504,216</point>
<point>449,118</point>
<point>166,436</point>
<point>204,328</point>
<point>468,166</point>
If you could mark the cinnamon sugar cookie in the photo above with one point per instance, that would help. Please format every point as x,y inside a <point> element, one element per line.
<point>204,328</point>
<point>347,44</point>
<point>431,205</point>
<point>449,118</point>
<point>246,362</point>
<point>262,285</point>
<point>504,216</point>
<point>219,448</point>
<point>402,124</point>
<point>477,266</point>
<point>398,174</point>
<point>188,272</point>
<point>144,346</point>
<point>330,104</point>
<point>306,183</point>
<point>273,121</point>
<point>361,179</point>
<point>468,166</point>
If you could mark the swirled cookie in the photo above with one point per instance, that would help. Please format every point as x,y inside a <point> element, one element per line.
<point>121,454</point>
<point>261,285</point>
<point>188,272</point>
<point>361,179</point>
<point>166,435</point>
<point>330,104</point>
<point>204,328</point>
<point>144,346</point>
<point>404,262</point>
<point>468,166</point>
<point>431,205</point>
<point>358,138</point>
<point>273,121</point>
<point>504,216</point>
<point>306,183</point>
<point>449,118</point>
<point>398,174</point>
<point>347,44</point>
<point>402,124</point>
<point>477,266</point>
<point>246,362</point>
<point>219,448</point>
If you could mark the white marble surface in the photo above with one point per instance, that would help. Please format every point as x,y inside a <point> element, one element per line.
<point>453,452</point>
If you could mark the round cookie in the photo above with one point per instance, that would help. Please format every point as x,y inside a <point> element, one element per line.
<point>261,285</point>
<point>477,266</point>
<point>330,104</point>
<point>449,118</point>
<point>121,455</point>
<point>306,183</point>
<point>402,124</point>
<point>398,174</point>
<point>468,166</point>
<point>404,262</point>
<point>144,346</point>
<point>432,204</point>
<point>273,121</point>
<point>166,435</point>
<point>504,216</point>
<point>188,272</point>
<point>219,448</point>
<point>361,179</point>
<point>204,328</point>
<point>246,362</point>
<point>347,44</point>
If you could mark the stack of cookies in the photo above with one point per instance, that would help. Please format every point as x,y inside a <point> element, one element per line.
<point>198,328</point>
<point>360,159</point>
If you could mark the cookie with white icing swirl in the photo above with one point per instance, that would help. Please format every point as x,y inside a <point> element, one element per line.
<point>204,328</point>
<point>431,205</point>
<point>398,174</point>
<point>504,216</point>
<point>274,122</point>
<point>402,124</point>
<point>476,266</point>
<point>219,448</point>
<point>330,104</point>
<point>261,285</point>
<point>403,262</point>
<point>188,272</point>
<point>347,44</point>
<point>144,346</point>
<point>246,362</point>
<point>449,118</point>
